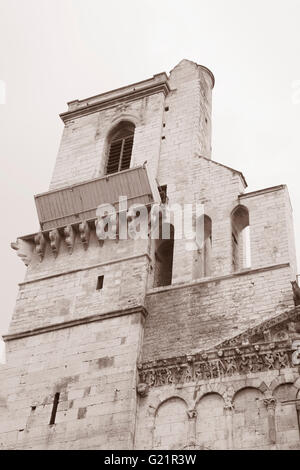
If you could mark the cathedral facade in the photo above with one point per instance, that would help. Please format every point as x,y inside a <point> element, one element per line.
<point>143,343</point>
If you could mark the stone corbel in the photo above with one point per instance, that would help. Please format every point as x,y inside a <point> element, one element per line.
<point>142,389</point>
<point>40,245</point>
<point>144,220</point>
<point>69,237</point>
<point>99,231</point>
<point>54,237</point>
<point>24,250</point>
<point>101,224</point>
<point>84,231</point>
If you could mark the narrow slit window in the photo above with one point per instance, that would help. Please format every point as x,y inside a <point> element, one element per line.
<point>164,248</point>
<point>54,408</point>
<point>100,282</point>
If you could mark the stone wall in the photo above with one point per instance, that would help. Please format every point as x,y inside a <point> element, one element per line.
<point>192,317</point>
<point>92,366</point>
<point>83,150</point>
<point>63,288</point>
<point>67,337</point>
<point>254,412</point>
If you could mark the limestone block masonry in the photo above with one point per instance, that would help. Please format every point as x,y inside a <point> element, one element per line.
<point>128,344</point>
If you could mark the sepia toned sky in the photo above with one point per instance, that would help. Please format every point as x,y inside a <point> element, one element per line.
<point>54,51</point>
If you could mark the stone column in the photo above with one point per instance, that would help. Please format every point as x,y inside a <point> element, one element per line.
<point>298,414</point>
<point>270,403</point>
<point>229,410</point>
<point>192,417</point>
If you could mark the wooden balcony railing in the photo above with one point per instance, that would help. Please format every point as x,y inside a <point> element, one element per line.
<point>76,203</point>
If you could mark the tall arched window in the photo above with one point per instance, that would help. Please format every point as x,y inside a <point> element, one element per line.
<point>120,147</point>
<point>202,256</point>
<point>240,236</point>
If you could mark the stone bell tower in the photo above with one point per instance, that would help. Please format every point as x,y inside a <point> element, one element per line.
<point>115,343</point>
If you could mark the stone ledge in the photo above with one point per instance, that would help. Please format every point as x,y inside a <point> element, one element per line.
<point>158,84</point>
<point>93,266</point>
<point>263,191</point>
<point>79,321</point>
<point>197,282</point>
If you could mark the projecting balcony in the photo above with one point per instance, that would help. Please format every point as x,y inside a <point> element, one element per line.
<point>78,203</point>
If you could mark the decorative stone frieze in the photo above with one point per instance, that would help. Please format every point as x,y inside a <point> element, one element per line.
<point>296,353</point>
<point>209,365</point>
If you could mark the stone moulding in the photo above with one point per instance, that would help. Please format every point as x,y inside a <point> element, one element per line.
<point>209,366</point>
<point>86,268</point>
<point>245,354</point>
<point>208,280</point>
<point>79,321</point>
<point>262,330</point>
<point>89,106</point>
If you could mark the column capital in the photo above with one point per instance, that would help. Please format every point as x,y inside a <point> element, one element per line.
<point>192,413</point>
<point>270,403</point>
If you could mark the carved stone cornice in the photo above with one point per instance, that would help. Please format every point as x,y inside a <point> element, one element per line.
<point>157,84</point>
<point>216,364</point>
<point>38,242</point>
<point>265,330</point>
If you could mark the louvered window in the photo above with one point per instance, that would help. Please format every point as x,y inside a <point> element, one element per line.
<point>120,149</point>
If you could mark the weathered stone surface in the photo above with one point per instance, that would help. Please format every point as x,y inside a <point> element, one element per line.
<point>200,364</point>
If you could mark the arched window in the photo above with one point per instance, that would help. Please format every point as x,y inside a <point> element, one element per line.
<point>164,257</point>
<point>120,147</point>
<point>240,235</point>
<point>202,256</point>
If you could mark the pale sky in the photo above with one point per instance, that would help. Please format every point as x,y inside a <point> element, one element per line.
<point>54,51</point>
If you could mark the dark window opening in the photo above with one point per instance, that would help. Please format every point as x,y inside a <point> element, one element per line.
<point>120,149</point>
<point>241,255</point>
<point>100,282</point>
<point>167,108</point>
<point>163,193</point>
<point>54,408</point>
<point>164,260</point>
<point>203,253</point>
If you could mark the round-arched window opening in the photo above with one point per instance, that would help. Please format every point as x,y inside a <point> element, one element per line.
<point>120,147</point>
